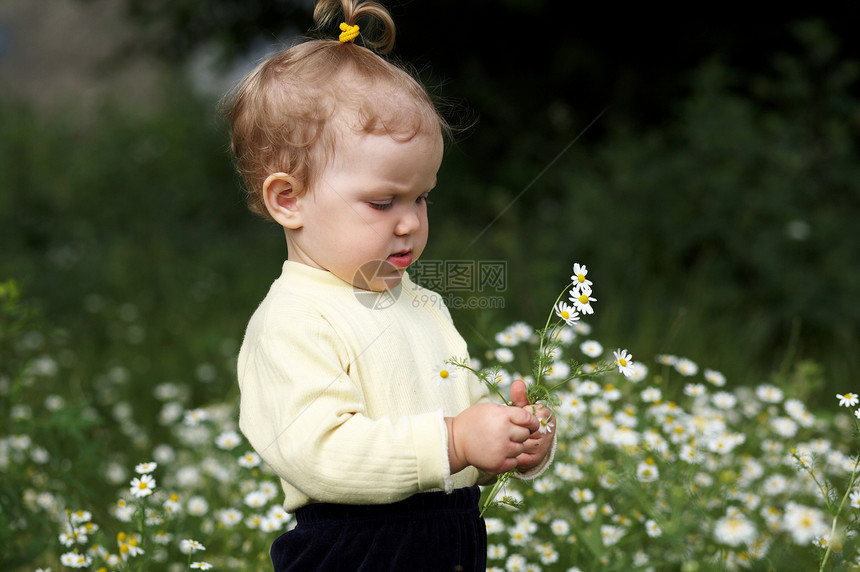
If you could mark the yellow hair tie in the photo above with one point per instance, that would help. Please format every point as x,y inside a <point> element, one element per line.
<point>348,33</point>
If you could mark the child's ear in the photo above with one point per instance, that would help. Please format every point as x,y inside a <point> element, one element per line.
<point>279,194</point>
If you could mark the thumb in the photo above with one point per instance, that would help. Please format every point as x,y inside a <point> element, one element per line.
<point>518,394</point>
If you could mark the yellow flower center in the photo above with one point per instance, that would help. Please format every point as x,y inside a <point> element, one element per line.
<point>142,485</point>
<point>580,278</point>
<point>622,362</point>
<point>565,315</point>
<point>444,374</point>
<point>174,497</point>
<point>120,537</point>
<point>583,299</point>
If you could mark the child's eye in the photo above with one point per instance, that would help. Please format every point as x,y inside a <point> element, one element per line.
<point>425,199</point>
<point>381,206</point>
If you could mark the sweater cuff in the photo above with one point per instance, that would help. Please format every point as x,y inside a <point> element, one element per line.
<point>430,438</point>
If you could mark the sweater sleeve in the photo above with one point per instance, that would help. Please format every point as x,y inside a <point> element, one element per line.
<point>304,413</point>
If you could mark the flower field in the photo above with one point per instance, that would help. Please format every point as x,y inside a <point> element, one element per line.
<point>671,467</point>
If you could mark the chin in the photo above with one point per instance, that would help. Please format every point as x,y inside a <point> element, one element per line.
<point>377,276</point>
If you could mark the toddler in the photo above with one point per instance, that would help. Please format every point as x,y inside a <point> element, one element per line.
<point>345,392</point>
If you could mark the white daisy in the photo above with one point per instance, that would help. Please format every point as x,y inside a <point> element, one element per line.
<point>638,372</point>
<point>646,471</point>
<point>651,395</point>
<point>653,529</point>
<point>848,400</point>
<point>504,355</point>
<point>611,534</point>
<point>496,551</point>
<point>250,460</point>
<point>188,546</point>
<point>624,361</point>
<point>521,331</point>
<point>445,375</point>
<point>854,499</point>
<point>75,560</point>
<point>144,468</point>
<point>588,387</point>
<point>686,367</point>
<point>715,378</point>
<point>582,302</point>
<point>229,516</point>
<point>581,495</point>
<point>694,389</point>
<point>566,312</point>
<point>558,370</point>
<point>769,393</point>
<point>81,516</point>
<point>724,400</point>
<point>804,523</point>
<point>197,506</point>
<point>580,282</point>
<point>143,486</point>
<point>545,425</point>
<point>559,527</point>
<point>228,440</point>
<point>734,529</point>
<point>194,417</point>
<point>591,348</point>
<point>507,338</point>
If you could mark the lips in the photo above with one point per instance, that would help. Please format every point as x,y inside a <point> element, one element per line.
<point>401,259</point>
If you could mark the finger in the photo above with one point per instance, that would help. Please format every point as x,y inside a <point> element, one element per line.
<point>541,410</point>
<point>508,465</point>
<point>516,450</point>
<point>524,418</point>
<point>518,393</point>
<point>520,434</point>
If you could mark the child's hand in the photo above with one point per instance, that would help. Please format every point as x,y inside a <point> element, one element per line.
<point>538,445</point>
<point>490,437</point>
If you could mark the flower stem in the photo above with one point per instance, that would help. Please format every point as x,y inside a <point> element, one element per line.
<point>500,483</point>
<point>851,482</point>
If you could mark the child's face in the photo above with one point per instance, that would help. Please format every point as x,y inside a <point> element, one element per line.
<point>365,218</point>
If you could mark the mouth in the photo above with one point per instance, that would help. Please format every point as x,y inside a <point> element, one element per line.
<point>401,259</point>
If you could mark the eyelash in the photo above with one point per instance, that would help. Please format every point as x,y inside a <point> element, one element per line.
<point>386,206</point>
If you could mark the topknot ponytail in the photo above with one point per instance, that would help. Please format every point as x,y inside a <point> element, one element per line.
<point>327,13</point>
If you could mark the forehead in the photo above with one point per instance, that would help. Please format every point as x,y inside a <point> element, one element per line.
<point>388,159</point>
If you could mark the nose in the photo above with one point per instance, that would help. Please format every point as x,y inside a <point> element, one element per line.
<point>409,222</point>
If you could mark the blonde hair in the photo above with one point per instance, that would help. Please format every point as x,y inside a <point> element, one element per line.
<point>281,114</point>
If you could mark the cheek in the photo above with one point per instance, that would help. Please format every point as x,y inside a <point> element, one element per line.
<point>421,239</point>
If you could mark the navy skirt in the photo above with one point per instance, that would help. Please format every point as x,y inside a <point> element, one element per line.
<point>435,531</point>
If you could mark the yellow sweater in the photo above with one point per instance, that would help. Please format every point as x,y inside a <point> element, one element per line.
<point>340,393</point>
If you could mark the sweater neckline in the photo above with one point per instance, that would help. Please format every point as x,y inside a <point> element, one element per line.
<point>325,278</point>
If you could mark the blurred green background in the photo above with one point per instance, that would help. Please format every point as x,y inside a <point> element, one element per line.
<point>707,173</point>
